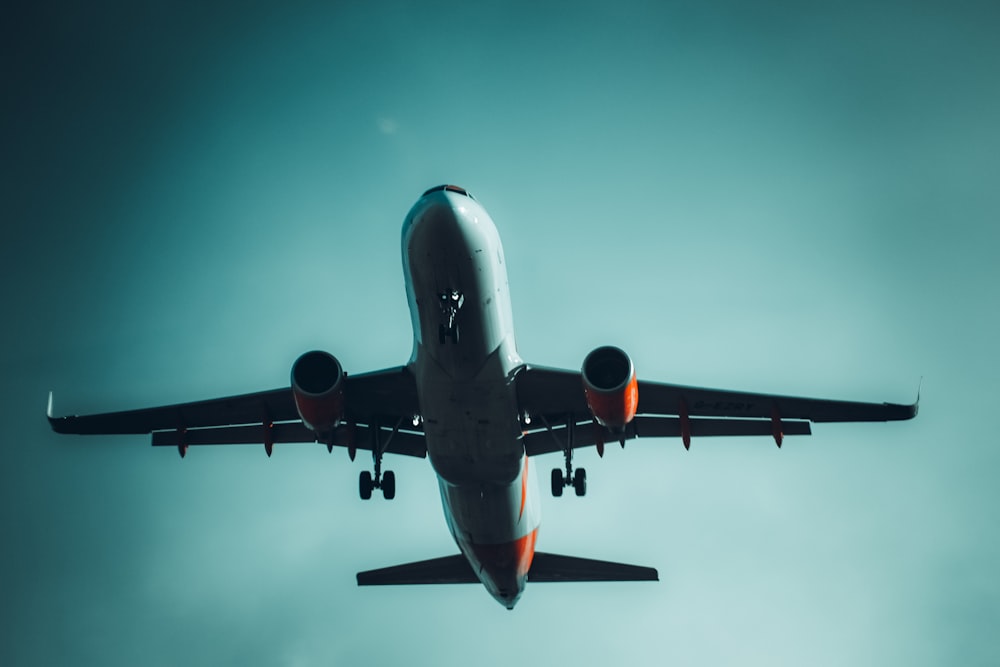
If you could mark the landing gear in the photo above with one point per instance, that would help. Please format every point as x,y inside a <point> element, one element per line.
<point>577,480</point>
<point>444,333</point>
<point>580,482</point>
<point>450,302</point>
<point>386,481</point>
<point>365,485</point>
<point>389,485</point>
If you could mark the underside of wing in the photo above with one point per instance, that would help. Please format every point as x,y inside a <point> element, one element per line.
<point>661,398</point>
<point>276,405</point>
<point>587,433</point>
<point>356,436</point>
<point>378,408</point>
<point>556,404</point>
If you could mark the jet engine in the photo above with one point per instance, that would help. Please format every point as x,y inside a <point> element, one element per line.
<point>318,387</point>
<point>610,387</point>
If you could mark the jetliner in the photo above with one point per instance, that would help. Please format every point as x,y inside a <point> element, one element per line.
<point>468,402</point>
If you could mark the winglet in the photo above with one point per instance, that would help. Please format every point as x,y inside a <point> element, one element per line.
<point>916,404</point>
<point>48,410</point>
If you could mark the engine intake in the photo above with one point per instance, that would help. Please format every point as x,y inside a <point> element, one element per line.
<point>610,386</point>
<point>318,388</point>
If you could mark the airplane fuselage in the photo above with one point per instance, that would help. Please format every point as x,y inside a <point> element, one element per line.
<point>464,360</point>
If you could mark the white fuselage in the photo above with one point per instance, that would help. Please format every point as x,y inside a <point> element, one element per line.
<point>464,361</point>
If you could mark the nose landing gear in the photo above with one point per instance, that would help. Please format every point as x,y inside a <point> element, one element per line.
<point>450,302</point>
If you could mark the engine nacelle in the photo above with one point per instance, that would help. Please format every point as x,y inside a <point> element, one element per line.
<point>318,387</point>
<point>610,387</point>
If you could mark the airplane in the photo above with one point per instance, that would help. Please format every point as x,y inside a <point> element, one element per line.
<point>468,402</point>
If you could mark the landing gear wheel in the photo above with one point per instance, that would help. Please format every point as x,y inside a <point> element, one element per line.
<point>448,332</point>
<point>580,482</point>
<point>365,485</point>
<point>557,482</point>
<point>389,484</point>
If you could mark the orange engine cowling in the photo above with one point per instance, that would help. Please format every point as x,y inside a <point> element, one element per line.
<point>610,387</point>
<point>318,387</point>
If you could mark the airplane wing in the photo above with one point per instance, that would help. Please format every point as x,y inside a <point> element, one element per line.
<point>377,404</point>
<point>555,402</point>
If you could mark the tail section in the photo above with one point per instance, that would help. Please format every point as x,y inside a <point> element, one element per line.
<point>447,570</point>
<point>545,567</point>
<point>555,568</point>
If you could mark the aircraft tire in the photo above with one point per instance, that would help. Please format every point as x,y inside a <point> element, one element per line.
<point>365,485</point>
<point>389,484</point>
<point>580,482</point>
<point>557,482</point>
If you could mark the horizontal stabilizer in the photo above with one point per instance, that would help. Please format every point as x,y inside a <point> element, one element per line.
<point>448,570</point>
<point>556,568</point>
<point>545,567</point>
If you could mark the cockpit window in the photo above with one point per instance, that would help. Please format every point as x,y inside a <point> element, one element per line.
<point>450,188</point>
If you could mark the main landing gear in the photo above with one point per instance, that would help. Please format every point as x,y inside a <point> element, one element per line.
<point>377,479</point>
<point>386,481</point>
<point>451,302</point>
<point>578,479</point>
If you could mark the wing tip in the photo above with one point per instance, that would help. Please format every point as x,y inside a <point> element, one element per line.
<point>910,410</point>
<point>903,412</point>
<point>54,422</point>
<point>62,424</point>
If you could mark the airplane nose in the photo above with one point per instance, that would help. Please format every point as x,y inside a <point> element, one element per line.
<point>440,210</point>
<point>439,225</point>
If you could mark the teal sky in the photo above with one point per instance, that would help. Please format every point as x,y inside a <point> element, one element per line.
<point>759,197</point>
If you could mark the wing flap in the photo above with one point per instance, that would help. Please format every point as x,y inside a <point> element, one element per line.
<point>587,433</point>
<point>406,443</point>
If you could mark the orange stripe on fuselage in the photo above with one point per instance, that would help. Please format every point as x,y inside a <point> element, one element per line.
<point>503,568</point>
<point>524,488</point>
<point>505,560</point>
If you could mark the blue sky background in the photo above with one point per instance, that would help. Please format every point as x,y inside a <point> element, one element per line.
<point>790,199</point>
